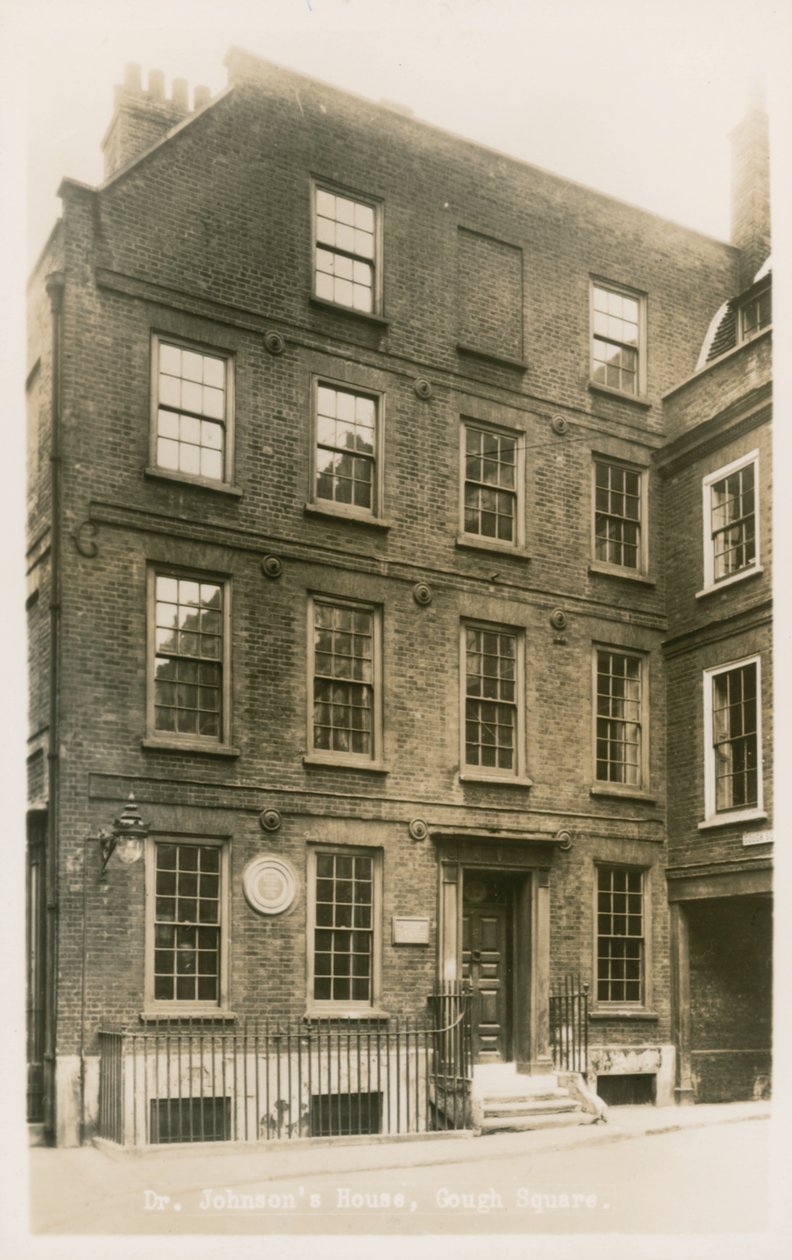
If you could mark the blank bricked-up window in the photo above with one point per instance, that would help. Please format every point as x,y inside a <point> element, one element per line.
<point>620,935</point>
<point>617,340</point>
<point>619,701</point>
<point>489,295</point>
<point>492,700</point>
<point>618,510</point>
<point>345,721</point>
<point>490,486</point>
<point>345,250</point>
<point>346,449</point>
<point>188,668</point>
<point>192,411</point>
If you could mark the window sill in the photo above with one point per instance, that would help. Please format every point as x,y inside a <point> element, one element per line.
<point>469,542</point>
<point>218,487</point>
<point>367,317</point>
<point>729,581</point>
<point>487,356</point>
<point>495,780</point>
<point>627,575</point>
<point>613,791</point>
<point>733,819</point>
<point>178,1014</point>
<point>638,400</point>
<point>622,1012</point>
<point>184,746</point>
<point>345,763</point>
<point>342,1012</point>
<point>349,518</point>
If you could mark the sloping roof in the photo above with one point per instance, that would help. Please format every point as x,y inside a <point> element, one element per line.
<point>723,331</point>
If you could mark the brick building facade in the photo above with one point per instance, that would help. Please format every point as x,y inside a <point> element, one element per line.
<point>352,556</point>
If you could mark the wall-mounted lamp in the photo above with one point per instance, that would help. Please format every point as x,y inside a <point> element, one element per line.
<point>126,837</point>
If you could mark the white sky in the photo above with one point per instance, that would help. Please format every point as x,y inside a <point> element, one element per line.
<point>633,97</point>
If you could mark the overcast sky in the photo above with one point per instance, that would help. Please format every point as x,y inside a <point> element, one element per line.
<point>633,97</point>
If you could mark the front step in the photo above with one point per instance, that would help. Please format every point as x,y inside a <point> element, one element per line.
<point>507,1101</point>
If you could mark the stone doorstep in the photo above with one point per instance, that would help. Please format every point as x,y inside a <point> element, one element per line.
<point>549,1120</point>
<point>528,1106</point>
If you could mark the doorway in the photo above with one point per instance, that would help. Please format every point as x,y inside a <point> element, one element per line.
<point>487,962</point>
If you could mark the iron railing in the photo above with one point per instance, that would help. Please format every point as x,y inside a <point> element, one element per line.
<point>259,1080</point>
<point>569,1025</point>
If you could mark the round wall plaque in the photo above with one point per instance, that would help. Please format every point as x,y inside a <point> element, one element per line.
<point>270,885</point>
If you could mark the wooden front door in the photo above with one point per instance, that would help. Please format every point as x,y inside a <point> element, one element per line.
<point>486,963</point>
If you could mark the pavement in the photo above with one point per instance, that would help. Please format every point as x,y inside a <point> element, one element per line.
<point>67,1185</point>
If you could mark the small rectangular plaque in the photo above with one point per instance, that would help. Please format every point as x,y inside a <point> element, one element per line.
<point>410,930</point>
<point>757,837</point>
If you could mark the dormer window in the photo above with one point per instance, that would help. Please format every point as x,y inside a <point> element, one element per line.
<point>755,315</point>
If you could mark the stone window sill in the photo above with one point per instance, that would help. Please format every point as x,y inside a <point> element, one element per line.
<point>366,317</point>
<point>623,1012</point>
<point>627,794</point>
<point>729,581</point>
<point>734,819</point>
<point>348,518</point>
<point>488,356</point>
<point>180,1014</point>
<point>469,542</point>
<point>344,1013</point>
<point>199,483</point>
<point>636,399</point>
<point>346,763</point>
<point>495,780</point>
<point>627,575</point>
<point>176,746</point>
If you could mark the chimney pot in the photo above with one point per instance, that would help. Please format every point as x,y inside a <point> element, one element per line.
<point>156,85</point>
<point>201,96</point>
<point>132,80</point>
<point>179,93</point>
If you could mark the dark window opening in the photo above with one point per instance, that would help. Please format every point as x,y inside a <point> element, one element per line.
<point>190,1120</point>
<point>628,1090</point>
<point>344,1115</point>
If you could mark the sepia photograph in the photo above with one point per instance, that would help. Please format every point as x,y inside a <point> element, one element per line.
<point>397,772</point>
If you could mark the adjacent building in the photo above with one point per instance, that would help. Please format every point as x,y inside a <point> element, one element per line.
<point>366,549</point>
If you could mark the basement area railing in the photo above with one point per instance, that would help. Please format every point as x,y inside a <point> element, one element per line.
<point>569,1016</point>
<point>260,1080</point>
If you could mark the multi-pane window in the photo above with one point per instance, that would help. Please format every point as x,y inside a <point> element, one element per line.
<point>187,923</point>
<point>192,400</point>
<point>491,699</point>
<point>756,315</point>
<point>344,926</point>
<point>617,515</point>
<point>620,935</point>
<point>344,665</point>
<point>189,634</point>
<point>616,339</point>
<point>346,247</point>
<point>490,484</point>
<point>730,515</point>
<point>734,738</point>
<point>346,445</point>
<point>618,717</point>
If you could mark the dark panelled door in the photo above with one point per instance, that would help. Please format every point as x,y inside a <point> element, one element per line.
<point>486,928</point>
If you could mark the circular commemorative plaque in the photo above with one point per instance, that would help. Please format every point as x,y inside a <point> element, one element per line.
<point>270,885</point>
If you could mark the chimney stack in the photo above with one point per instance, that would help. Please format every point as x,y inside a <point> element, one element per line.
<point>750,230</point>
<point>143,116</point>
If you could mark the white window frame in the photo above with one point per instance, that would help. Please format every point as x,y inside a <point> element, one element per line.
<point>494,774</point>
<point>744,335</point>
<point>611,786</point>
<point>642,567</point>
<point>181,343</point>
<point>336,190</point>
<point>372,760</point>
<point>644,1003</point>
<point>332,506</point>
<point>204,743</point>
<point>713,816</point>
<point>518,437</point>
<point>712,479</point>
<point>339,1006</point>
<point>598,282</point>
<point>162,1006</point>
